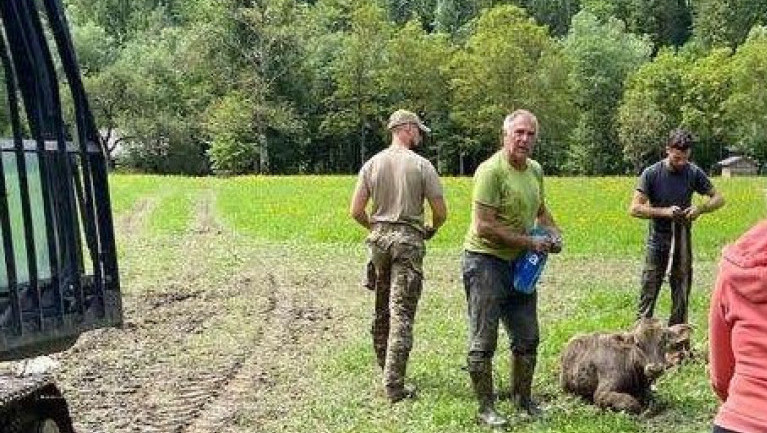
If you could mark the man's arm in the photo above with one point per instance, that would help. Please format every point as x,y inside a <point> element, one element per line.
<point>489,227</point>
<point>438,215</point>
<point>721,358</point>
<point>357,208</point>
<point>641,208</point>
<point>714,202</point>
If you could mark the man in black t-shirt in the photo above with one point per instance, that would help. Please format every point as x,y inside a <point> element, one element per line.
<point>664,195</point>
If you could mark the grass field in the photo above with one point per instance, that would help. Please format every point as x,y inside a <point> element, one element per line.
<point>294,233</point>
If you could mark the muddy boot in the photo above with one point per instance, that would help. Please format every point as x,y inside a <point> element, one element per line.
<point>483,387</point>
<point>397,395</point>
<point>522,369</point>
<point>381,357</point>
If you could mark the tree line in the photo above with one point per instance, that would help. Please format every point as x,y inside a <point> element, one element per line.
<point>301,86</point>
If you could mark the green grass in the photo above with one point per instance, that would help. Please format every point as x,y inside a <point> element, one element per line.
<point>348,396</point>
<point>592,212</point>
<point>125,190</point>
<point>174,212</point>
<point>593,285</point>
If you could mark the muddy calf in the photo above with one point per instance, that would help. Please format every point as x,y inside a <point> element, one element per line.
<point>616,370</point>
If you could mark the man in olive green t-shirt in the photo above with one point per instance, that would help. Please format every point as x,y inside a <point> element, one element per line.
<point>508,201</point>
<point>397,181</point>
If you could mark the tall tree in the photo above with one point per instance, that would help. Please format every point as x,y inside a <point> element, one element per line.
<point>402,11</point>
<point>416,77</point>
<point>746,108</point>
<point>451,15</point>
<point>163,126</point>
<point>708,85</point>
<point>357,104</point>
<point>510,62</point>
<point>603,55</point>
<point>651,107</point>
<point>554,14</point>
<point>726,23</point>
<point>665,22</point>
<point>270,44</point>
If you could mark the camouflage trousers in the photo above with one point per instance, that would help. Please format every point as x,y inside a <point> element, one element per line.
<point>677,248</point>
<point>396,254</point>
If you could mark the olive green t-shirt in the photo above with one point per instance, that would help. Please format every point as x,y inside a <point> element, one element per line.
<point>516,195</point>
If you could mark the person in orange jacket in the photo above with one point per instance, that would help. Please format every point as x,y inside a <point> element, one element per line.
<point>738,334</point>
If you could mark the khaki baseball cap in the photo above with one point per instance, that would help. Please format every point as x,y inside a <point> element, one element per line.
<point>403,117</point>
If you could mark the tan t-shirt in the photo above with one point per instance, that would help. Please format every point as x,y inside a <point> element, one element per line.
<point>398,180</point>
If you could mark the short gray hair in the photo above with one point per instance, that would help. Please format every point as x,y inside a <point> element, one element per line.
<point>519,113</point>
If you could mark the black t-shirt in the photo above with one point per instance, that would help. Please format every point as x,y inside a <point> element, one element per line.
<point>665,187</point>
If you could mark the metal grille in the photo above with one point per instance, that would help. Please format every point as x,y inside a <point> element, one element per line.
<point>59,276</point>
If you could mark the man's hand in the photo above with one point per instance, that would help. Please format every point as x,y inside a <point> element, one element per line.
<point>693,212</point>
<point>556,243</point>
<point>673,212</point>
<point>540,244</point>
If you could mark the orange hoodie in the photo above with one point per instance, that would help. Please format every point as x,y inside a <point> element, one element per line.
<point>738,333</point>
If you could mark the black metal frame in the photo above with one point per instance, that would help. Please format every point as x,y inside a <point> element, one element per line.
<point>42,315</point>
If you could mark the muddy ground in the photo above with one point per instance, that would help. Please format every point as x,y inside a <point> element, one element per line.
<point>219,332</point>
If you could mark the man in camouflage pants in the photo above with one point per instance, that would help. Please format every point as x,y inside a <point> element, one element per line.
<point>397,180</point>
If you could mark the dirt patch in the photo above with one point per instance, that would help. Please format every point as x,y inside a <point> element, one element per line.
<point>218,340</point>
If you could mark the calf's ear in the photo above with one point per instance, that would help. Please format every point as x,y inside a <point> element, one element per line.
<point>680,333</point>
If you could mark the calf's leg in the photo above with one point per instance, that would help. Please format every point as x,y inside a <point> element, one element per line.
<point>606,397</point>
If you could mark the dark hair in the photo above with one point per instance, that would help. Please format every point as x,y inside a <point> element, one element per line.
<point>680,139</point>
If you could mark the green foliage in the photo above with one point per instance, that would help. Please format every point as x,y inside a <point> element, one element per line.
<point>603,55</point>
<point>708,86</point>
<point>510,62</point>
<point>747,103</point>
<point>451,15</point>
<point>554,14</point>
<point>402,11</point>
<point>318,79</point>
<point>356,105</point>
<point>416,77</point>
<point>726,23</point>
<point>95,48</point>
<point>231,155</point>
<point>163,140</point>
<point>651,107</point>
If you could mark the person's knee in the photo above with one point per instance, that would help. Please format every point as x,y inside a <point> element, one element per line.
<point>479,361</point>
<point>525,346</point>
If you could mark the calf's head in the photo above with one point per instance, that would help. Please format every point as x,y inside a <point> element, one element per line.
<point>655,340</point>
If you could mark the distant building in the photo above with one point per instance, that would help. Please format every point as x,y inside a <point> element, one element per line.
<point>738,166</point>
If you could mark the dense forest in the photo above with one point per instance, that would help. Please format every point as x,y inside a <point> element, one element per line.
<point>291,86</point>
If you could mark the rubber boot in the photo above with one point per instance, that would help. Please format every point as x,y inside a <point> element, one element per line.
<point>483,387</point>
<point>406,392</point>
<point>522,369</point>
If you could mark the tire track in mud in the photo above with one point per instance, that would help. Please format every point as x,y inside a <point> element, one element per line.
<point>120,378</point>
<point>200,350</point>
<point>292,321</point>
<point>130,224</point>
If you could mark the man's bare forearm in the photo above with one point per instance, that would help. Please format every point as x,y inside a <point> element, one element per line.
<point>501,234</point>
<point>714,202</point>
<point>362,219</point>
